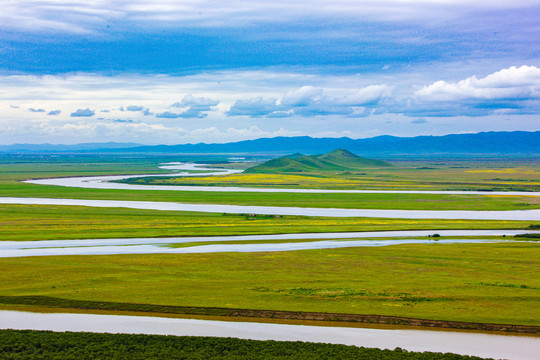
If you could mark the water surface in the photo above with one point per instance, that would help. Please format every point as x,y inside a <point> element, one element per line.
<point>163,245</point>
<point>530,215</point>
<point>478,344</point>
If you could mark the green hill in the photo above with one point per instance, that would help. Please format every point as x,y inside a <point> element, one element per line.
<point>337,160</point>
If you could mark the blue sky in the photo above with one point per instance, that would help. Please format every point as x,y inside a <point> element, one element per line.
<point>213,71</point>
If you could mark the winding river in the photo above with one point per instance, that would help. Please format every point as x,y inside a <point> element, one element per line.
<point>478,344</point>
<point>257,244</point>
<point>531,215</point>
<point>104,182</point>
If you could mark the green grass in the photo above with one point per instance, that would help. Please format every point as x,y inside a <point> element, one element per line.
<point>351,201</point>
<point>337,160</point>
<point>27,344</point>
<point>472,175</point>
<point>12,172</point>
<point>39,222</point>
<point>436,281</point>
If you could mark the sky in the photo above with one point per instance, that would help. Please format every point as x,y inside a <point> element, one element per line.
<point>174,72</point>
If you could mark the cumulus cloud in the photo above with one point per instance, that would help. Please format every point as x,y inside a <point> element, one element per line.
<point>36,110</point>
<point>303,96</point>
<point>168,115</point>
<point>366,96</point>
<point>310,101</point>
<point>134,108</point>
<point>194,107</point>
<point>511,83</point>
<point>254,107</point>
<point>83,113</point>
<point>202,103</point>
<point>514,89</point>
<point>54,112</point>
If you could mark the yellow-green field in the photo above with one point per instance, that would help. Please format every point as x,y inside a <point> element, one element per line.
<point>39,222</point>
<point>466,176</point>
<point>486,283</point>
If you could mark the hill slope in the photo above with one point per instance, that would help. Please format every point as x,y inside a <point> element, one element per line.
<point>337,160</point>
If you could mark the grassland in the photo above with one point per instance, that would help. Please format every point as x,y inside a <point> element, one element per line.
<point>351,201</point>
<point>11,173</point>
<point>27,344</point>
<point>39,222</point>
<point>464,175</point>
<point>485,283</point>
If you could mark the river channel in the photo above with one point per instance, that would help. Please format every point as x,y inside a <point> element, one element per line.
<point>478,344</point>
<point>104,182</point>
<point>256,243</point>
<point>465,343</point>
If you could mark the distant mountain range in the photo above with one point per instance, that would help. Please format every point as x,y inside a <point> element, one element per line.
<point>53,148</point>
<point>484,143</point>
<point>337,160</point>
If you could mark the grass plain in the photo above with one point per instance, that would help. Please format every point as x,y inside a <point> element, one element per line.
<point>13,171</point>
<point>39,222</point>
<point>486,283</point>
<point>495,283</point>
<point>409,175</point>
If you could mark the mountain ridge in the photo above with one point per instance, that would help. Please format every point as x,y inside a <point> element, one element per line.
<point>489,143</point>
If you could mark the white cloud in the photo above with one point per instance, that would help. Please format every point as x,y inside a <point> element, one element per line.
<point>300,103</point>
<point>200,102</point>
<point>255,107</point>
<point>365,96</point>
<point>134,108</point>
<point>515,83</point>
<point>310,100</point>
<point>302,96</point>
<point>83,113</point>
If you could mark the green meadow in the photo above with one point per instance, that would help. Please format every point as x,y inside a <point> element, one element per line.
<point>12,172</point>
<point>510,175</point>
<point>40,222</point>
<point>485,283</point>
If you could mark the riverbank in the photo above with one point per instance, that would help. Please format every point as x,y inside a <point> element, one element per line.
<point>254,315</point>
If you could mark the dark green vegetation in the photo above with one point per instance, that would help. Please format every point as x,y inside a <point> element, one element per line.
<point>446,282</point>
<point>531,236</point>
<point>25,344</point>
<point>38,222</point>
<point>337,160</point>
